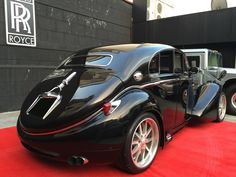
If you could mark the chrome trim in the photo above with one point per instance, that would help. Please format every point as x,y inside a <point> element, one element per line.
<point>46,95</point>
<point>113,101</point>
<point>101,55</point>
<point>222,107</point>
<point>54,105</point>
<point>144,142</point>
<point>123,91</point>
<point>65,82</point>
<point>114,105</point>
<point>53,93</point>
<point>168,137</point>
<point>90,55</point>
<point>158,82</point>
<point>85,161</point>
<point>233,100</point>
<point>142,86</point>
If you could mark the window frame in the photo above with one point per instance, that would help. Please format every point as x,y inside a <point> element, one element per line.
<point>89,65</point>
<point>158,60</point>
<point>171,51</point>
<point>183,68</point>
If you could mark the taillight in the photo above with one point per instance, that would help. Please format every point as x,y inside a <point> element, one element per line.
<point>110,107</point>
<point>106,108</point>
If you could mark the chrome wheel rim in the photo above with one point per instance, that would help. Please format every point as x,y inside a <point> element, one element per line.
<point>184,96</point>
<point>222,107</point>
<point>144,144</point>
<point>233,100</point>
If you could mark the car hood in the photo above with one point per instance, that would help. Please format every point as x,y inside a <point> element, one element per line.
<point>230,70</point>
<point>67,96</point>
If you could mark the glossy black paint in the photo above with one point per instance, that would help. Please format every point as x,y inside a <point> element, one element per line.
<point>78,126</point>
<point>207,99</point>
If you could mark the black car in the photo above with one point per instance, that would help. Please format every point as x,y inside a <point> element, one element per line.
<point>115,104</point>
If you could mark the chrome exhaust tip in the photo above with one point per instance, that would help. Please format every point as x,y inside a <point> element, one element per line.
<point>76,160</point>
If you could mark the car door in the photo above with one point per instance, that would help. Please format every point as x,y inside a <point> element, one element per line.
<point>165,86</point>
<point>180,69</point>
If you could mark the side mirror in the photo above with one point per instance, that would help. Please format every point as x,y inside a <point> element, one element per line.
<point>193,70</point>
<point>222,74</point>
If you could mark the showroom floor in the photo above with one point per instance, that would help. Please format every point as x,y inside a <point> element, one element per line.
<point>203,155</point>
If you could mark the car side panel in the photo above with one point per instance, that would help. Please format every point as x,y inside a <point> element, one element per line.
<point>206,100</point>
<point>103,133</point>
<point>166,92</point>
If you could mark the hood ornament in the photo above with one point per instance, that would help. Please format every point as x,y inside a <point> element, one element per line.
<point>46,102</point>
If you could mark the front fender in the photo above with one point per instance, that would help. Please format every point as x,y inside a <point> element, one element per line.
<point>206,100</point>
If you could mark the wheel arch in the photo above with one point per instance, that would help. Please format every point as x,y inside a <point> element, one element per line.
<point>146,104</point>
<point>158,117</point>
<point>229,88</point>
<point>229,82</point>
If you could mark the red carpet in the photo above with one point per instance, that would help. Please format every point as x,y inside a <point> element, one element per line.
<point>203,150</point>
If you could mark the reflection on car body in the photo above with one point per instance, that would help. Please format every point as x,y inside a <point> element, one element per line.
<point>119,106</point>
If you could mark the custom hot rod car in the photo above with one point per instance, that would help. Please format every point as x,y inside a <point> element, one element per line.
<point>115,104</point>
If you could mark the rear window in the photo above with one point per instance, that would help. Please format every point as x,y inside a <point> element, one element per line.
<point>91,60</point>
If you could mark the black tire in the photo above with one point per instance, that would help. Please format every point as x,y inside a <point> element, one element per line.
<point>127,161</point>
<point>182,92</point>
<point>230,92</point>
<point>222,106</point>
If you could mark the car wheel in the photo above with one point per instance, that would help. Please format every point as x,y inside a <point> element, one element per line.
<point>222,104</point>
<point>231,99</point>
<point>141,144</point>
<point>184,95</point>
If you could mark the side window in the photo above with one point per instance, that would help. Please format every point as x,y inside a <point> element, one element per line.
<point>178,63</point>
<point>166,62</point>
<point>154,65</point>
<point>194,61</point>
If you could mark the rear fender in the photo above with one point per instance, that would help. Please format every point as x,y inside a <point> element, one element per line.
<point>133,103</point>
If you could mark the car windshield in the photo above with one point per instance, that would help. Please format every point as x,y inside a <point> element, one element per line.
<point>89,60</point>
<point>214,59</point>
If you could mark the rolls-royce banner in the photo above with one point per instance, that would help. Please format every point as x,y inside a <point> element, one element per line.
<point>20,22</point>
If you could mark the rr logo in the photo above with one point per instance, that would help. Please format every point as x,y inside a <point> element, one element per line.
<point>20,22</point>
<point>20,14</point>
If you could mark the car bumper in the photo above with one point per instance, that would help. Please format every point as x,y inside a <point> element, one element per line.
<point>97,142</point>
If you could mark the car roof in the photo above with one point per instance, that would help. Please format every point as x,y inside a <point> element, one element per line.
<point>199,50</point>
<point>126,58</point>
<point>131,47</point>
<point>127,48</point>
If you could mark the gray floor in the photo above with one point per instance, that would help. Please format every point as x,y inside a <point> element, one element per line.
<point>8,119</point>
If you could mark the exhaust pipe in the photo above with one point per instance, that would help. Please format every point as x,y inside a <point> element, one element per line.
<point>76,160</point>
